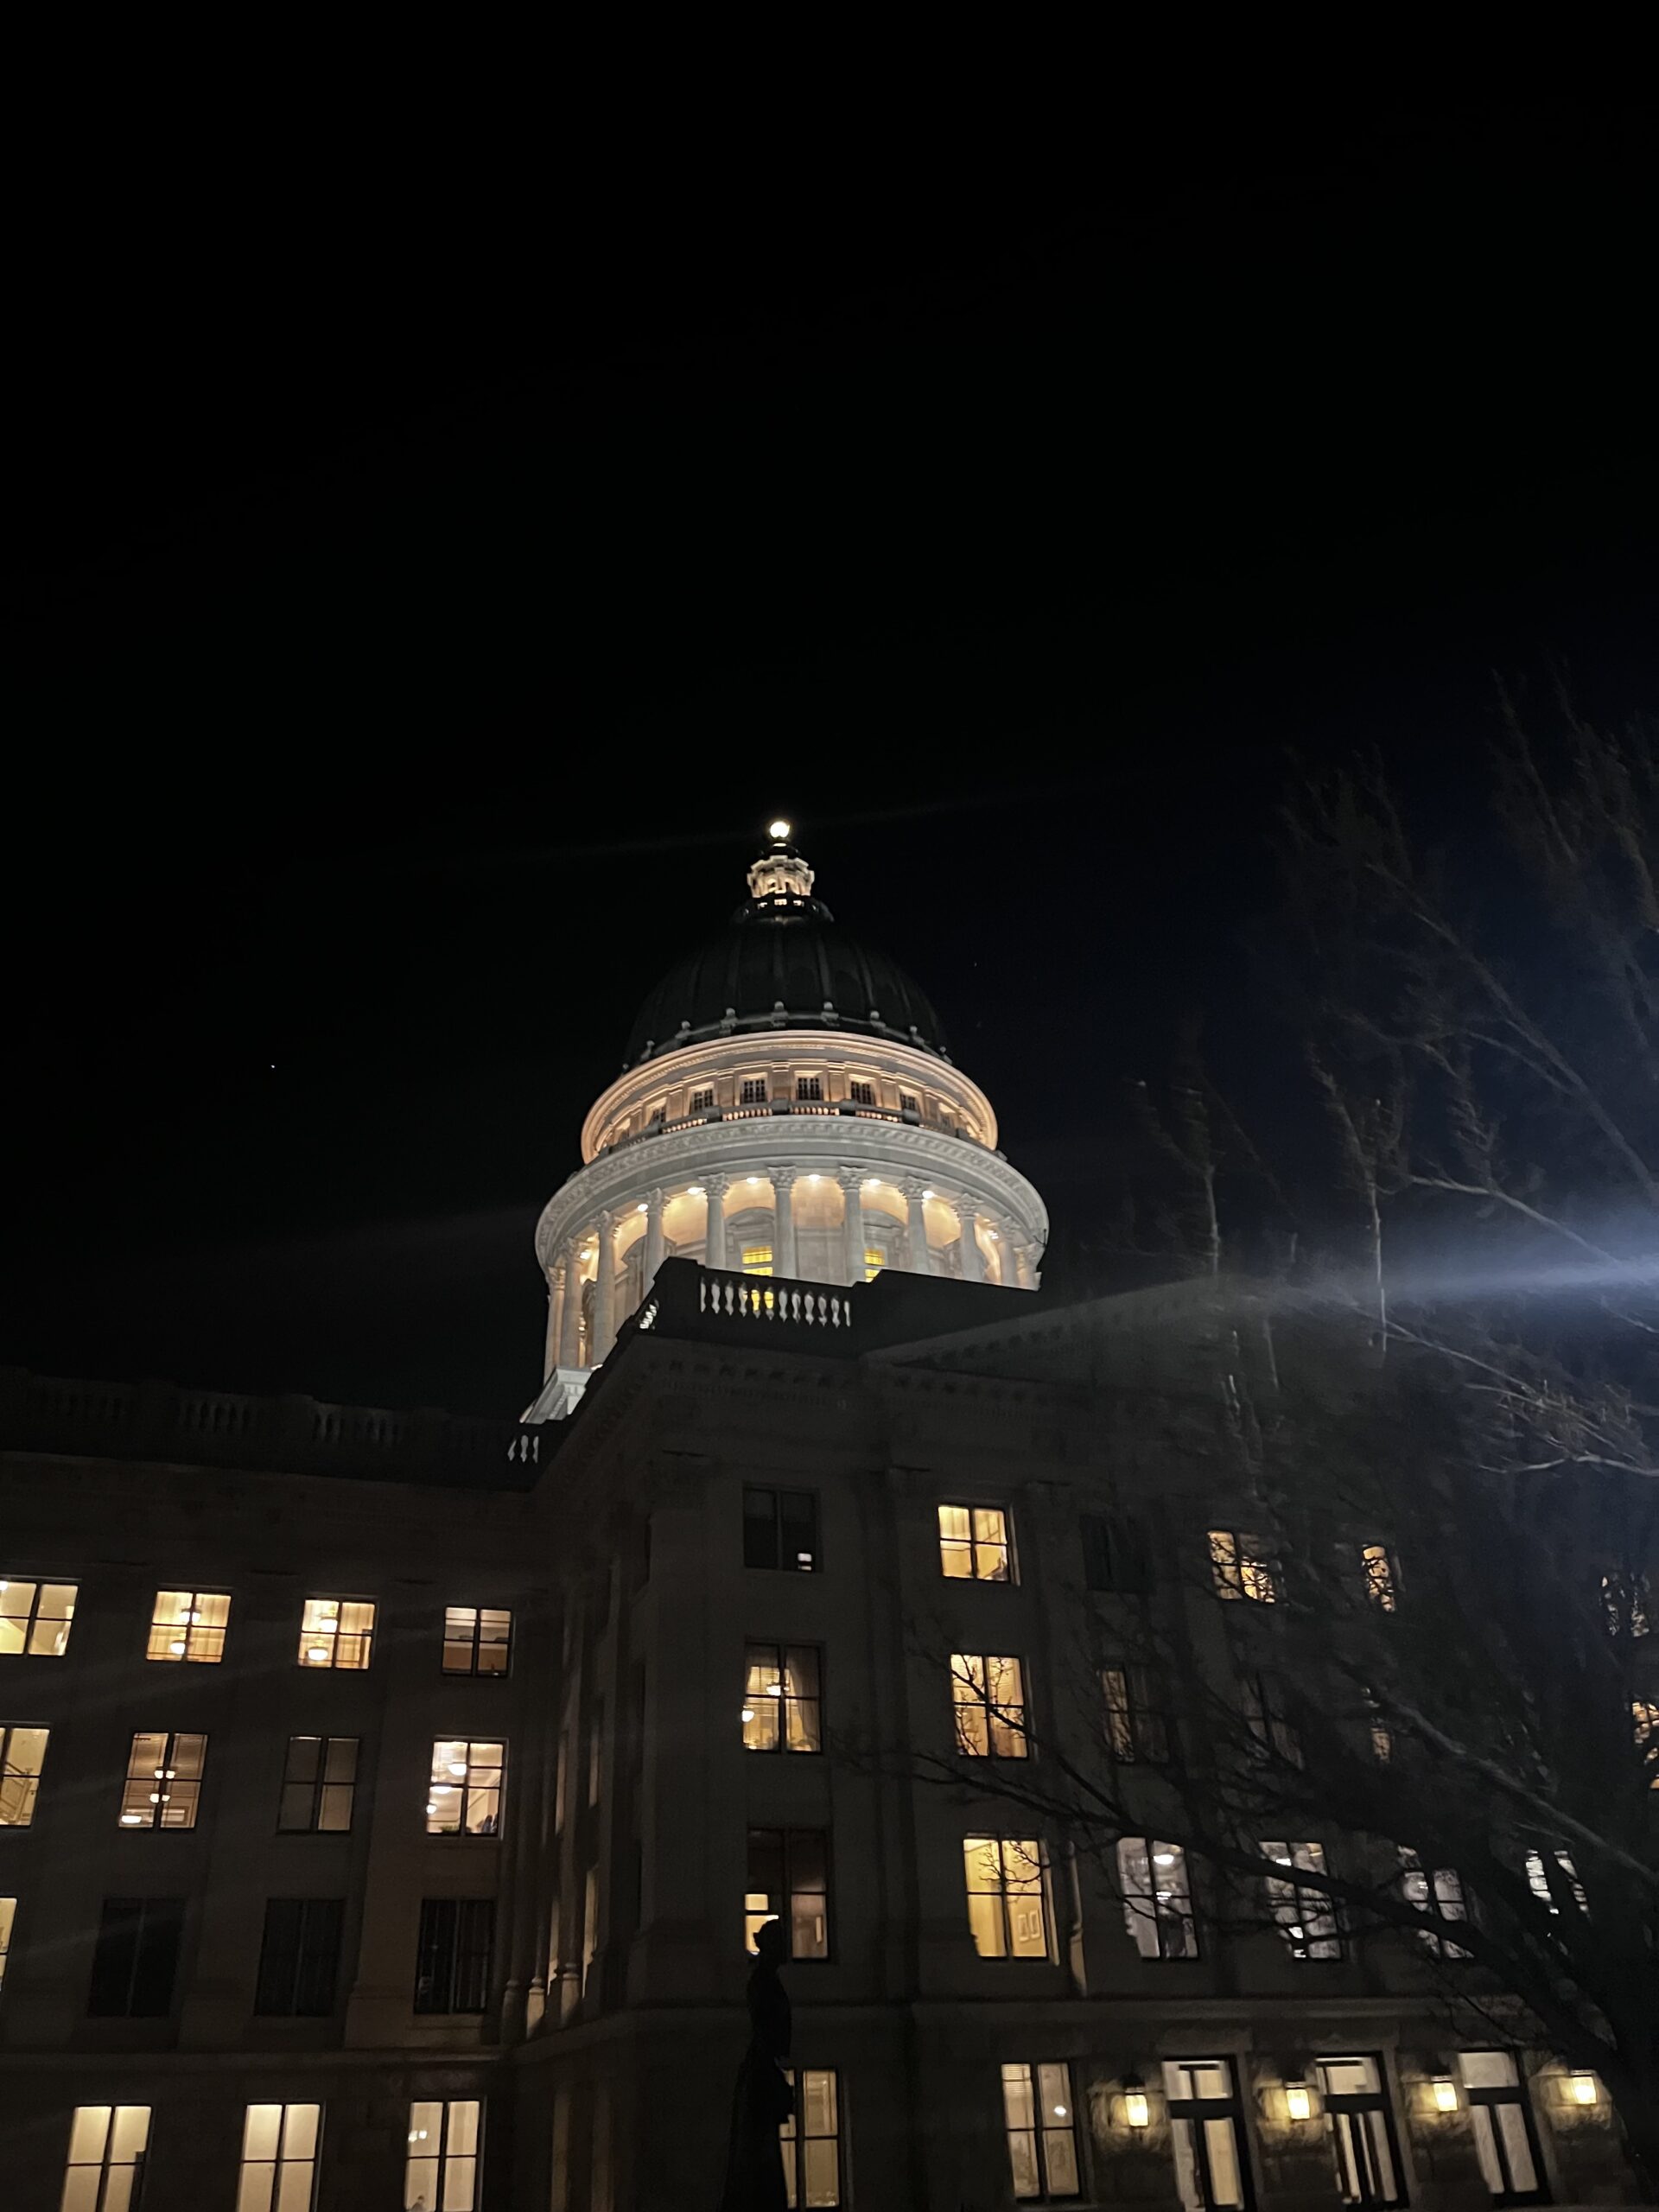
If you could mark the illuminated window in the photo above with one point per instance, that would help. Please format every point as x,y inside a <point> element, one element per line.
<point>1380,1576</point>
<point>104,2170</point>
<point>163,1780</point>
<point>1008,1905</point>
<point>1362,2130</point>
<point>862,1094</point>
<point>988,1698</point>
<point>1539,1881</point>
<point>1306,1918</point>
<point>189,1625</point>
<point>443,2164</point>
<point>703,1099</point>
<point>22,1755</point>
<point>336,1632</point>
<point>279,2159</point>
<point>780,1529</point>
<point>1137,1732</point>
<point>757,1259</point>
<point>1157,1900</point>
<point>1242,1567</point>
<point>1041,2120</point>
<point>781,1699</point>
<point>452,1959</point>
<point>137,1958</point>
<point>809,1086</point>
<point>753,1092</point>
<point>465,1796</point>
<point>1441,1895</point>
<point>789,1880</point>
<point>1503,2125</point>
<point>299,1958</point>
<point>1644,1722</point>
<point>1261,1701</point>
<point>811,2139</point>
<point>318,1783</point>
<point>36,1617</point>
<point>973,1543</point>
<point>1626,1601</point>
<point>1206,2135</point>
<point>8,1920</point>
<point>875,1260</point>
<point>477,1640</point>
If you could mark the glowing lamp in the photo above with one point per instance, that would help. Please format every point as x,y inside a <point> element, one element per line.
<point>778,830</point>
<point>1581,2089</point>
<point>176,1647</point>
<point>316,1655</point>
<point>1444,2090</point>
<point>1298,2101</point>
<point>927,1194</point>
<point>131,1820</point>
<point>747,1715</point>
<point>457,1766</point>
<point>1137,2108</point>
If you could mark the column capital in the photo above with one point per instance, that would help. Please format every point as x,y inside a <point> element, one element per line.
<point>912,1187</point>
<point>850,1178</point>
<point>717,1183</point>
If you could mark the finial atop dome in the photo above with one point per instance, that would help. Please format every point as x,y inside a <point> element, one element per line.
<point>780,873</point>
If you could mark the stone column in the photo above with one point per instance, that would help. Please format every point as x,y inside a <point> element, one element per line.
<point>570,1311</point>
<point>921,1260</point>
<point>554,1311</point>
<point>653,1239</point>
<point>852,1224</point>
<point>605,1288</point>
<point>973,1260</point>
<point>713,1242</point>
<point>783,1208</point>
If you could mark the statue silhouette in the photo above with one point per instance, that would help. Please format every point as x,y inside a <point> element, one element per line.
<point>763,2099</point>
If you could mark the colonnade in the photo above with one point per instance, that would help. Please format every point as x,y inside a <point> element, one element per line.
<point>591,1254</point>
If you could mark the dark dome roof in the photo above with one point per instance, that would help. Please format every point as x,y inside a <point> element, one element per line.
<point>781,963</point>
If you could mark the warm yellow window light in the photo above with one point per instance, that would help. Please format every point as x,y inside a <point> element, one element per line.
<point>1445,2090</point>
<point>1582,2089</point>
<point>1298,2101</point>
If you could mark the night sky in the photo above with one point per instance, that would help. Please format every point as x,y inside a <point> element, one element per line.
<point>421,620</point>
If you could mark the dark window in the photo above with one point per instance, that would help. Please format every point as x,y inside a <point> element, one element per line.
<point>703,1100</point>
<point>319,1783</point>
<point>137,1958</point>
<point>908,1103</point>
<point>862,1094</point>
<point>780,1529</point>
<point>452,1973</point>
<point>1114,1555</point>
<point>754,1090</point>
<point>299,1958</point>
<point>1137,1729</point>
<point>789,1880</point>
<point>809,1086</point>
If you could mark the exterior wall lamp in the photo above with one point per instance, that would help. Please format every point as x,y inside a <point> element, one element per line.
<point>1135,2106</point>
<point>1444,2090</point>
<point>1298,2101</point>
<point>1581,2089</point>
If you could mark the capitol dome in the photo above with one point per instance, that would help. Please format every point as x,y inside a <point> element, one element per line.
<point>787,1107</point>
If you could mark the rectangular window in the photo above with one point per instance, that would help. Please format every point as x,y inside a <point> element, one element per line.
<point>811,2139</point>
<point>1206,2133</point>
<point>1547,1891</point>
<point>988,1695</point>
<point>442,2169</point>
<point>757,1261</point>
<point>452,1970</point>
<point>809,1087</point>
<point>1242,1567</point>
<point>1157,1899</point>
<point>104,2171</point>
<point>337,1632</point>
<point>22,1755</point>
<point>753,1091</point>
<point>1041,2120</point>
<point>1502,2123</point>
<point>875,1260</point>
<point>1261,1701</point>
<point>703,1099</point>
<point>163,1780</point>
<point>465,1796</point>
<point>780,1529</point>
<point>477,1640</point>
<point>299,1957</point>
<point>1379,1577</point>
<point>1007,1903</point>
<point>789,1880</point>
<point>189,1625</point>
<point>974,1544</point>
<point>36,1617</point>
<point>1137,1732</point>
<point>862,1094</point>
<point>279,2159</point>
<point>1362,2130</point>
<point>137,1958</point>
<point>1441,1895</point>
<point>319,1783</point>
<point>1114,1555</point>
<point>1306,1918</point>
<point>7,1920</point>
<point>1626,1604</point>
<point>782,1704</point>
<point>908,1102</point>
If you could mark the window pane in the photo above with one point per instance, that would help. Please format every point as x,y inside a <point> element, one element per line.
<point>421,2183</point>
<point>1060,2154</point>
<point>822,2173</point>
<point>262,2132</point>
<point>463,2126</point>
<point>89,2132</point>
<point>460,2178</point>
<point>1221,2147</point>
<point>1348,2077</point>
<point>1487,2069</point>
<point>1518,2146</point>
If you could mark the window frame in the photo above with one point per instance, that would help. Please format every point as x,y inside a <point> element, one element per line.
<point>813,1562</point>
<point>1039,2133</point>
<point>1379,1576</point>
<point>319,1785</point>
<point>133,2193</point>
<point>31,1620</point>
<point>1145,1908</point>
<point>280,2160</point>
<point>975,1543</point>
<point>1349,2109</point>
<point>1442,1888</point>
<point>469,1964</point>
<point>1248,1570</point>
<point>1482,2100</point>
<point>782,1655</point>
<point>788,1843</point>
<point>11,1772</point>
<point>795,2141</point>
<point>313,1970</point>
<point>1194,2113</point>
<point>446,2156</point>
<point>968,1696</point>
<point>1286,1896</point>
<point>494,1792</point>
<point>1032,1847</point>
<point>1146,1733</point>
<point>808,1089</point>
<point>754,1090</point>
<point>475,1644</point>
<point>332,1634</point>
<point>152,1815</point>
<point>193,1628</point>
<point>861,1090</point>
